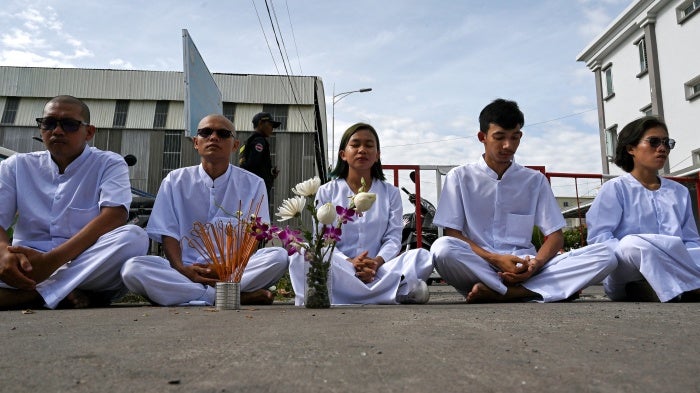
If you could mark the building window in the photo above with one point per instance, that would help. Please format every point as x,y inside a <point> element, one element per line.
<point>611,142</point>
<point>172,145</point>
<point>10,112</point>
<point>279,113</point>
<point>120,111</point>
<point>643,64</point>
<point>646,110</point>
<point>229,110</point>
<point>161,115</point>
<point>687,9</point>
<point>692,88</point>
<point>696,156</point>
<point>566,204</point>
<point>609,91</point>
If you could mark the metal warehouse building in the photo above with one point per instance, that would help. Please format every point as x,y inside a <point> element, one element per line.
<point>142,113</point>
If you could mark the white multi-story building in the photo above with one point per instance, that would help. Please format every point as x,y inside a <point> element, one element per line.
<point>647,62</point>
<point>142,113</point>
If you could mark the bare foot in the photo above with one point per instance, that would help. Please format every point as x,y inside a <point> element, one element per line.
<point>75,299</point>
<point>259,297</point>
<point>480,293</point>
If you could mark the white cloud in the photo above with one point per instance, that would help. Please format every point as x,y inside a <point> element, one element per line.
<point>18,58</point>
<point>598,14</point>
<point>119,63</point>
<point>580,100</point>
<point>18,39</point>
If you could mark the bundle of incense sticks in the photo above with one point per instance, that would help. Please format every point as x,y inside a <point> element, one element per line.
<point>226,245</point>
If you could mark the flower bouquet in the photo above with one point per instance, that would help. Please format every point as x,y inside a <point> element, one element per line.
<point>317,245</point>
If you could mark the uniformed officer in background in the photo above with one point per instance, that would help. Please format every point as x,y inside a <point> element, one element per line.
<point>254,155</point>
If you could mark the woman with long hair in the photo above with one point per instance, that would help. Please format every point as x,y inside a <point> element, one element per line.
<point>366,267</point>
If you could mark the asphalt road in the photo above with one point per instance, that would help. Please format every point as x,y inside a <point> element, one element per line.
<point>589,345</point>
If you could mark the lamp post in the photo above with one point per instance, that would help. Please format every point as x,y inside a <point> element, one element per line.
<point>336,98</point>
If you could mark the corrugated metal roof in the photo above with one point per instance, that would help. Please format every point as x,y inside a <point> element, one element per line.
<point>150,85</point>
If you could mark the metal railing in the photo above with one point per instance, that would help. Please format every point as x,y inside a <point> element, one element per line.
<point>579,210</point>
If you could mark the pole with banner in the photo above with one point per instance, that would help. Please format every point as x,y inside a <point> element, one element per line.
<point>202,95</point>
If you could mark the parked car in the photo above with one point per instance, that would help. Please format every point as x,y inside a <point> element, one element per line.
<point>4,153</point>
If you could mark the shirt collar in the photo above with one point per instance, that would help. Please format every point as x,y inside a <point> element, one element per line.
<point>87,151</point>
<point>213,183</point>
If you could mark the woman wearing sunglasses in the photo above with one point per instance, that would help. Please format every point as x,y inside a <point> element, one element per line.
<point>647,220</point>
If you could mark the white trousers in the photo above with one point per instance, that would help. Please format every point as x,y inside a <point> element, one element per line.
<point>558,279</point>
<point>392,278</point>
<point>97,268</point>
<point>153,277</point>
<point>663,261</point>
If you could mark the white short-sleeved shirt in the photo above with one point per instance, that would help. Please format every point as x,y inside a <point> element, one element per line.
<point>188,195</point>
<point>53,207</point>
<point>624,206</point>
<point>378,231</point>
<point>498,215</point>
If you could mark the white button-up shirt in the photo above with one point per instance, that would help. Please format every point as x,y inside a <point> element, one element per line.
<point>53,206</point>
<point>378,231</point>
<point>188,195</point>
<point>624,206</point>
<point>498,215</point>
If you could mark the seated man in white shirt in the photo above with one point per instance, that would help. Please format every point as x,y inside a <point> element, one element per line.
<point>71,203</point>
<point>488,210</point>
<point>204,193</point>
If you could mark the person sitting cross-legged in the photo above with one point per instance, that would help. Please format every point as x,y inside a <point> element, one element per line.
<point>488,210</point>
<point>207,193</point>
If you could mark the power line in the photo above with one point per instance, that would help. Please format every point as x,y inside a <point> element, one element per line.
<point>563,117</point>
<point>294,38</point>
<point>265,36</point>
<point>435,141</point>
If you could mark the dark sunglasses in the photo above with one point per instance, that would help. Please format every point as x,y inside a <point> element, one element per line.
<point>67,125</point>
<point>221,132</point>
<point>655,141</point>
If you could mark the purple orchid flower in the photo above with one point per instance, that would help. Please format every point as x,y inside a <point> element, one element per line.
<point>344,215</point>
<point>331,234</point>
<point>291,241</point>
<point>261,230</point>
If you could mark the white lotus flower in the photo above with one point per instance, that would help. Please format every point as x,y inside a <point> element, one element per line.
<point>308,187</point>
<point>363,201</point>
<point>326,214</point>
<point>290,208</point>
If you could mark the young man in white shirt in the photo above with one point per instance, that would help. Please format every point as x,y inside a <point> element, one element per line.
<point>71,202</point>
<point>488,210</point>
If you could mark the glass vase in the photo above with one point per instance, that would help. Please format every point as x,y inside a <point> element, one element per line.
<point>317,292</point>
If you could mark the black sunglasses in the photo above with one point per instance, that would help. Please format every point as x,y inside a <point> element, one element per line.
<point>221,132</point>
<point>67,125</point>
<point>655,141</point>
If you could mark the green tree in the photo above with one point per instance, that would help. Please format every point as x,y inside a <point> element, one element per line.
<point>575,238</point>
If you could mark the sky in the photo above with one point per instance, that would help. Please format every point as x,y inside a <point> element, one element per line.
<point>432,65</point>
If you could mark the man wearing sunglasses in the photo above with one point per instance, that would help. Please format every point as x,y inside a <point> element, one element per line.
<point>71,203</point>
<point>254,156</point>
<point>207,193</point>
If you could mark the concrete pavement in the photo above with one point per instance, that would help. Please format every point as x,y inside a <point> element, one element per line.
<point>590,345</point>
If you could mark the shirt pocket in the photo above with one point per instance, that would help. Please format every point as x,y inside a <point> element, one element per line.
<point>519,229</point>
<point>76,219</point>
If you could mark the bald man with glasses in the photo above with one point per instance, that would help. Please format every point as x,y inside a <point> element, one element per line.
<point>70,203</point>
<point>204,193</point>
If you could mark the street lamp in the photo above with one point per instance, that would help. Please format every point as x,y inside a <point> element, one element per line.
<point>336,98</point>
